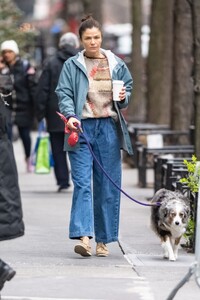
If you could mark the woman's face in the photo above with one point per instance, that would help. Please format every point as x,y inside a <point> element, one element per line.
<point>91,40</point>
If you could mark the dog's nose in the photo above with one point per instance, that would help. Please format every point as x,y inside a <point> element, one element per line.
<point>177,223</point>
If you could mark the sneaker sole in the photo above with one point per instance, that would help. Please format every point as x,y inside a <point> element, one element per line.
<point>79,249</point>
<point>101,255</point>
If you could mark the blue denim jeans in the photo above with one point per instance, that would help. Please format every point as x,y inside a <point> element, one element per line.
<point>96,201</point>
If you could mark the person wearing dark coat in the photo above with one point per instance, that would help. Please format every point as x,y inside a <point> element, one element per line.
<point>23,98</point>
<point>11,215</point>
<point>6,88</point>
<point>47,105</point>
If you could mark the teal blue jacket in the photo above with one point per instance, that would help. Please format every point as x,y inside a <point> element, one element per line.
<point>73,87</point>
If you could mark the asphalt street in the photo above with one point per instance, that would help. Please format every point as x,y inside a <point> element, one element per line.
<point>48,268</point>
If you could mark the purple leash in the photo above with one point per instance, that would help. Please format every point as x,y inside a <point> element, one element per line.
<point>106,174</point>
<point>100,166</point>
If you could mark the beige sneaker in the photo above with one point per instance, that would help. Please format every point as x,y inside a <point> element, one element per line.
<point>83,248</point>
<point>101,250</point>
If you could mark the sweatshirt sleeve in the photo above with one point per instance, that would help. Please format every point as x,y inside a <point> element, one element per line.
<point>125,75</point>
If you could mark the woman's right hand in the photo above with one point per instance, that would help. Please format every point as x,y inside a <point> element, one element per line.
<point>73,124</point>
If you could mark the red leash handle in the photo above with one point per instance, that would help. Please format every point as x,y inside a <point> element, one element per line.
<point>73,135</point>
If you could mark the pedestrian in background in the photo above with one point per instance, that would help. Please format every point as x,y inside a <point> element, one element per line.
<point>85,98</point>
<point>23,96</point>
<point>6,88</point>
<point>11,216</point>
<point>47,105</point>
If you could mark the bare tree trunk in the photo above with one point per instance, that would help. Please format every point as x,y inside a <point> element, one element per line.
<point>136,111</point>
<point>182,92</point>
<point>159,64</point>
<point>196,20</point>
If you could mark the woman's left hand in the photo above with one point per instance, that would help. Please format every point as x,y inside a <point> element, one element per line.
<point>122,94</point>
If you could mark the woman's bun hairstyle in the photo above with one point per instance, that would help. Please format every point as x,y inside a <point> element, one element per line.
<point>86,18</point>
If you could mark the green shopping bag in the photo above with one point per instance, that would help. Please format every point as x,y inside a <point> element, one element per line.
<point>42,163</point>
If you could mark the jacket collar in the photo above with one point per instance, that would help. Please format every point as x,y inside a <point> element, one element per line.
<point>112,59</point>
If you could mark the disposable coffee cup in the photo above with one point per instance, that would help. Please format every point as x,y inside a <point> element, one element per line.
<point>117,87</point>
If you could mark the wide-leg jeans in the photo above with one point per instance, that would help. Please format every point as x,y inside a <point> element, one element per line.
<point>96,201</point>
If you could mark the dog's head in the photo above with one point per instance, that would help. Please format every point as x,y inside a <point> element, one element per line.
<point>175,213</point>
<point>174,208</point>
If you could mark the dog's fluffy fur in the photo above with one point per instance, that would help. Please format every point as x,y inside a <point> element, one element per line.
<point>169,220</point>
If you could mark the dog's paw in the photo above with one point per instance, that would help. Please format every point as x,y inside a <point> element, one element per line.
<point>172,258</point>
<point>165,254</point>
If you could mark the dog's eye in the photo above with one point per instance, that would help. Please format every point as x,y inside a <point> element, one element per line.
<point>181,214</point>
<point>173,214</point>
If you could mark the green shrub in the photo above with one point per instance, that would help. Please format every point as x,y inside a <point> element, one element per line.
<point>192,179</point>
<point>192,182</point>
<point>189,234</point>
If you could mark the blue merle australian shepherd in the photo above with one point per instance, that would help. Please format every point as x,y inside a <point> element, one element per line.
<point>169,220</point>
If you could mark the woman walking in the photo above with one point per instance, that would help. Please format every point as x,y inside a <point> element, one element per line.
<point>85,98</point>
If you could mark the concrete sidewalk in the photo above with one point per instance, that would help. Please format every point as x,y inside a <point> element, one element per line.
<point>47,267</point>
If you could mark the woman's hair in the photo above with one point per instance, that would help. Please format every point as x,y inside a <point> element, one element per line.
<point>88,22</point>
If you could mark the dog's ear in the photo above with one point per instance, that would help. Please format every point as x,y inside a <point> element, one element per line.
<point>163,212</point>
<point>183,197</point>
<point>159,195</point>
<point>186,213</point>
